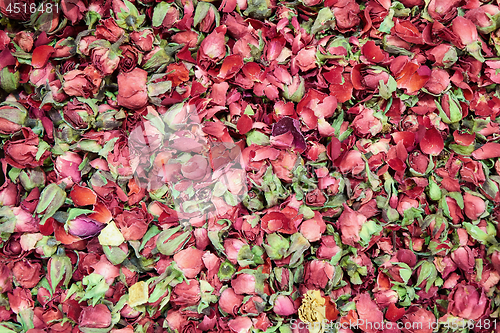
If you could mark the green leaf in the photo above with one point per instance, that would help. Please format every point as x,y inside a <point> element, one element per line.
<point>462,150</point>
<point>160,11</point>
<point>108,147</point>
<point>170,247</point>
<point>405,274</point>
<point>51,199</point>
<point>325,15</point>
<point>42,148</point>
<point>75,212</point>
<point>387,24</point>
<point>369,229</point>
<point>475,232</point>
<point>201,11</point>
<point>458,198</point>
<point>258,138</point>
<point>96,288</point>
<point>427,269</point>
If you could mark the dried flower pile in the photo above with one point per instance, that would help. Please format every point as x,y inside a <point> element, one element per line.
<point>250,166</point>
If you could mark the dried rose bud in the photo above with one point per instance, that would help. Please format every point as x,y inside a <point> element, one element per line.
<point>32,178</point>
<point>229,301</point>
<point>97,316</point>
<point>84,227</point>
<point>284,306</point>
<point>474,206</point>
<point>467,302</point>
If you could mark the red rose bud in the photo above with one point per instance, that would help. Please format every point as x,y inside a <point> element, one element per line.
<point>12,117</point>
<point>229,301</point>
<point>368,78</point>
<point>24,153</point>
<point>284,306</point>
<point>415,314</point>
<point>292,126</point>
<point>465,29</point>
<point>5,279</point>
<point>317,273</point>
<point>104,56</point>
<point>467,32</point>
<point>254,305</point>
<point>80,83</point>
<point>97,316</point>
<point>84,227</point>
<point>16,219</point>
<point>9,195</point>
<point>206,20</point>
<point>196,168</point>
<point>232,247</point>
<point>443,55</point>
<point>474,206</point>
<point>466,302</point>
<point>109,118</point>
<point>132,90</point>
<point>485,18</point>
<point>244,284</point>
<point>212,48</point>
<point>109,30</point>
<point>27,273</point>
<point>439,81</point>
<point>20,300</point>
<point>143,39</point>
<point>495,260</point>
<point>312,229</point>
<point>186,293</point>
<point>189,261</point>
<point>464,258</point>
<point>133,223</point>
<point>328,248</point>
<point>350,223</point>
<point>67,167</point>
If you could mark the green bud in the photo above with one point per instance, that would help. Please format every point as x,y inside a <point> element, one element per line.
<point>31,178</point>
<point>226,271</point>
<point>14,115</point>
<point>306,211</point>
<point>434,191</point>
<point>168,246</point>
<point>276,246</point>
<point>247,256</point>
<point>51,199</point>
<point>60,269</point>
<point>115,254</point>
<point>390,214</point>
<point>109,119</point>
<point>9,81</point>
<point>66,134</point>
<point>295,96</point>
<point>259,9</point>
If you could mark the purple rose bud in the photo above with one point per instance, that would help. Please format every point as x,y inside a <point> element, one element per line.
<point>84,227</point>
